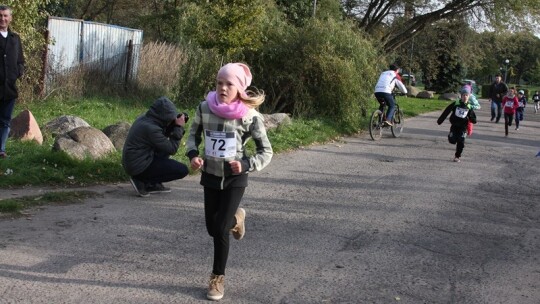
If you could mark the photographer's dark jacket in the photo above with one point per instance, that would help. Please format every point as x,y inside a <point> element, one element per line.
<point>11,65</point>
<point>151,134</point>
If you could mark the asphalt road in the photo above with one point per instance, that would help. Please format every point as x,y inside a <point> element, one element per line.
<point>354,221</point>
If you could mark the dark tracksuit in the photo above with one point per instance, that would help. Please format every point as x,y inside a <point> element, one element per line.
<point>461,115</point>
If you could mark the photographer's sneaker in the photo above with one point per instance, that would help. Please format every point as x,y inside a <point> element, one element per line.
<point>216,287</point>
<point>139,187</point>
<point>239,230</point>
<point>157,188</point>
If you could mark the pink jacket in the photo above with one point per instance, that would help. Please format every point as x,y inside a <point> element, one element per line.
<point>510,104</point>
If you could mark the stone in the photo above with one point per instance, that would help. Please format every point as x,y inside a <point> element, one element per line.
<point>449,96</point>
<point>25,127</point>
<point>117,133</point>
<point>425,94</point>
<point>272,121</point>
<point>84,142</point>
<point>64,124</point>
<point>412,91</point>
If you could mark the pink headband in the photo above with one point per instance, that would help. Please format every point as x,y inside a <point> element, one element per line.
<point>239,75</point>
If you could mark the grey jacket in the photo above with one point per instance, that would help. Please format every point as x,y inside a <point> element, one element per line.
<point>250,126</point>
<point>151,134</point>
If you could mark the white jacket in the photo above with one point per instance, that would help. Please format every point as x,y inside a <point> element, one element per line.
<point>388,81</point>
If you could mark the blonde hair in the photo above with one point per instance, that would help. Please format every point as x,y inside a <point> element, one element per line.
<point>256,98</point>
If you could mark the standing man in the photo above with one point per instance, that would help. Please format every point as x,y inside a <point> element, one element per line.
<point>497,91</point>
<point>11,68</point>
<point>388,80</point>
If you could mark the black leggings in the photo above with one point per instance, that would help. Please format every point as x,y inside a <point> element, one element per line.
<point>457,137</point>
<point>219,209</point>
<point>163,169</point>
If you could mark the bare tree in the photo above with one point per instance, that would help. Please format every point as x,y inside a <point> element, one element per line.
<point>379,17</point>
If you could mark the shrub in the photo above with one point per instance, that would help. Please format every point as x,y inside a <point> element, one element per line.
<point>29,20</point>
<point>196,75</point>
<point>325,69</point>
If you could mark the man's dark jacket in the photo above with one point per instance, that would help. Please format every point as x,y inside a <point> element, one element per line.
<point>497,91</point>
<point>11,65</point>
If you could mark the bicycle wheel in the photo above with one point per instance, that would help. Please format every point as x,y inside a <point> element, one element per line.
<point>399,121</point>
<point>375,125</point>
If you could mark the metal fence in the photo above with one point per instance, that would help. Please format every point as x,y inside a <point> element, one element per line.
<point>110,50</point>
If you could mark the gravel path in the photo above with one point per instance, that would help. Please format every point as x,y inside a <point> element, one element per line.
<point>354,221</point>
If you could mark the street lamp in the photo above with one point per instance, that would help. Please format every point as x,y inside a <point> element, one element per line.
<point>506,69</point>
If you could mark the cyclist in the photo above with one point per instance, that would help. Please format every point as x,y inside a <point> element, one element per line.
<point>388,80</point>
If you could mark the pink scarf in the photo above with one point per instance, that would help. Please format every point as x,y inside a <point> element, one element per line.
<point>235,110</point>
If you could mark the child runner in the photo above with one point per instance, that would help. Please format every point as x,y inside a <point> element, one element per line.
<point>522,102</point>
<point>510,103</point>
<point>475,105</point>
<point>227,119</point>
<point>462,113</point>
<point>536,99</point>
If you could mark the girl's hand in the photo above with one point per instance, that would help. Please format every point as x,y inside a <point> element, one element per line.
<point>236,166</point>
<point>196,163</point>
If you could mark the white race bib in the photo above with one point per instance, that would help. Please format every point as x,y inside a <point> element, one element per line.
<point>509,104</point>
<point>520,104</point>
<point>462,112</point>
<point>219,144</point>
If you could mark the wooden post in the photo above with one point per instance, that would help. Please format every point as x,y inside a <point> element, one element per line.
<point>128,64</point>
<point>44,64</point>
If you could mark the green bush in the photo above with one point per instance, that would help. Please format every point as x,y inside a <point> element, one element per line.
<point>325,69</point>
<point>196,75</point>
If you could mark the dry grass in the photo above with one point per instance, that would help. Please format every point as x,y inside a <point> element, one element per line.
<point>158,73</point>
<point>159,66</point>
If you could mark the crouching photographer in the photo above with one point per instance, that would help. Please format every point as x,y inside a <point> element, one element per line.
<point>151,140</point>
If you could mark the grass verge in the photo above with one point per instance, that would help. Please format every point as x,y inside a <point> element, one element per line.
<point>14,206</point>
<point>30,164</point>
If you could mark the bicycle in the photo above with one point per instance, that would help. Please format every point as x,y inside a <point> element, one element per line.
<point>376,124</point>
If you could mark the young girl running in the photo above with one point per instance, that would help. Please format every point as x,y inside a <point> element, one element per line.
<point>510,103</point>
<point>227,118</point>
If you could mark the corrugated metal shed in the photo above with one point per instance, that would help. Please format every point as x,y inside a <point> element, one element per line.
<point>105,47</point>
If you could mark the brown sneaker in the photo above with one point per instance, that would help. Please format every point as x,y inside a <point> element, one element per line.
<point>239,230</point>
<point>216,287</point>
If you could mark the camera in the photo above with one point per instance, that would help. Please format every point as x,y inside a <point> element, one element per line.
<point>186,116</point>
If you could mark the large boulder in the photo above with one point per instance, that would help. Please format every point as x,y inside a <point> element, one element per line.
<point>117,133</point>
<point>25,127</point>
<point>84,142</point>
<point>272,121</point>
<point>64,124</point>
<point>425,94</point>
<point>412,91</point>
<point>449,96</point>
